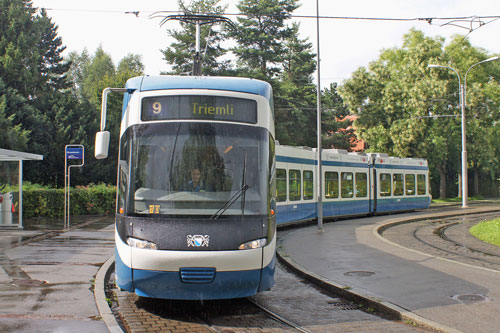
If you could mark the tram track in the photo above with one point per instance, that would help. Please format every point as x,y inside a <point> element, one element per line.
<point>296,305</point>
<point>279,318</point>
<point>293,305</point>
<point>443,234</point>
<point>447,238</point>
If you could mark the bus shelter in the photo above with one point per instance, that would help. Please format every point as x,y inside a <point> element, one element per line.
<point>11,186</point>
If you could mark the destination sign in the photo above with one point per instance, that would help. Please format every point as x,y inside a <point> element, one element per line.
<point>199,107</point>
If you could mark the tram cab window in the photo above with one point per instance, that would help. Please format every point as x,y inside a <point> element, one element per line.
<point>398,184</point>
<point>280,185</point>
<point>385,185</point>
<point>410,184</point>
<point>347,185</point>
<point>361,184</point>
<point>331,185</point>
<point>123,170</point>
<point>308,185</point>
<point>294,185</point>
<point>232,160</point>
<point>421,185</point>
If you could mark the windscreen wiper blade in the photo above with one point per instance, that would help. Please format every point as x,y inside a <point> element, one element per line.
<point>229,202</point>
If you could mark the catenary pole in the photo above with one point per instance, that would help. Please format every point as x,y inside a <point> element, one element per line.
<point>318,94</point>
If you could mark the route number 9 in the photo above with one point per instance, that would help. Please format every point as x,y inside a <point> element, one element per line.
<point>156,107</point>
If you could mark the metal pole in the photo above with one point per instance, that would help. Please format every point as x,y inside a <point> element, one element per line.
<point>65,186</point>
<point>20,210</point>
<point>465,182</point>
<point>197,56</point>
<point>318,95</point>
<point>465,186</point>
<point>69,189</point>
<point>198,33</point>
<point>67,182</point>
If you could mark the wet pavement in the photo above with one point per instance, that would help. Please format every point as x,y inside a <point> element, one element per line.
<point>436,292</point>
<point>47,277</point>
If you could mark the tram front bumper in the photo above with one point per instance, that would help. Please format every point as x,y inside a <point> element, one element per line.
<point>169,285</point>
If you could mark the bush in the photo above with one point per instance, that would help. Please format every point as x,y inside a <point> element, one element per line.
<point>41,201</point>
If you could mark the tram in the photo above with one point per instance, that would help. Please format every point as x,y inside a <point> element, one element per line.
<point>195,216</point>
<point>354,184</point>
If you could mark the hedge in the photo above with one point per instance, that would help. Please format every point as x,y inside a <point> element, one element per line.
<point>88,200</point>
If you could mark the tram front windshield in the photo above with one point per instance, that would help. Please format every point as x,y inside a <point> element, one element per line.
<point>210,169</point>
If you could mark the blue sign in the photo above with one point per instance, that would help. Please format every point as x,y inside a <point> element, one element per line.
<point>74,153</point>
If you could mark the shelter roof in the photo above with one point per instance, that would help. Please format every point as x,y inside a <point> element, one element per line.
<point>12,155</point>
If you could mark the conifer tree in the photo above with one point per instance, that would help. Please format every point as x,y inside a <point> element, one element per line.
<point>260,34</point>
<point>180,53</point>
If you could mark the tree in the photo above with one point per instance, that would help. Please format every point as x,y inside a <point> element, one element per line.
<point>90,75</point>
<point>337,131</point>
<point>295,94</point>
<point>76,71</point>
<point>12,136</point>
<point>394,97</point>
<point>269,49</point>
<point>180,54</point>
<point>30,51</point>
<point>32,68</point>
<point>260,34</point>
<point>18,57</point>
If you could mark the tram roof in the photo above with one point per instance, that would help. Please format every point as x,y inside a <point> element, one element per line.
<point>162,82</point>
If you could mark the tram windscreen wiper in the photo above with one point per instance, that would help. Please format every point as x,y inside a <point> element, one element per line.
<point>229,202</point>
<point>236,196</point>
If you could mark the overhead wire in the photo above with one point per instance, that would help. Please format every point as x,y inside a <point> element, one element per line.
<point>452,19</point>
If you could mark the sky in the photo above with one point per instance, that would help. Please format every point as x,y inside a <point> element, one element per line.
<point>345,44</point>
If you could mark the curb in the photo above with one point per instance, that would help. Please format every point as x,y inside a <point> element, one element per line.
<point>359,296</point>
<point>100,297</point>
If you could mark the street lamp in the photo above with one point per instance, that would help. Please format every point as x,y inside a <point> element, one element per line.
<point>462,92</point>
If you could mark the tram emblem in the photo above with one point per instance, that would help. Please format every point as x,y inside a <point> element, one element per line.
<point>197,240</point>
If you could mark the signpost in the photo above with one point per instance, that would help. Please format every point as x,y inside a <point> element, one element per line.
<point>75,153</point>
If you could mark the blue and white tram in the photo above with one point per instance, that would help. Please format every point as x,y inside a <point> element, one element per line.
<point>196,188</point>
<point>401,183</point>
<point>353,184</point>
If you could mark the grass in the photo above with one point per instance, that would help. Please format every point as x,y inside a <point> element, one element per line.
<point>487,231</point>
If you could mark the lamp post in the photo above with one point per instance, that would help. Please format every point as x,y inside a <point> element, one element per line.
<point>462,92</point>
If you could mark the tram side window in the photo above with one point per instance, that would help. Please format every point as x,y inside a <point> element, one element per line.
<point>361,184</point>
<point>410,184</point>
<point>398,184</point>
<point>280,185</point>
<point>385,185</point>
<point>331,185</point>
<point>347,185</point>
<point>294,185</point>
<point>421,185</point>
<point>308,185</point>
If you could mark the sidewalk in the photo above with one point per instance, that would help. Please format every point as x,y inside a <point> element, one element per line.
<point>46,284</point>
<point>351,258</point>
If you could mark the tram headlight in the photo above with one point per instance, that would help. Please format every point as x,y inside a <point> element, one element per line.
<point>255,244</point>
<point>141,244</point>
